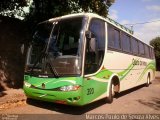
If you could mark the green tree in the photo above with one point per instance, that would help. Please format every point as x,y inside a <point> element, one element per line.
<point>44,9</point>
<point>13,8</point>
<point>156,44</point>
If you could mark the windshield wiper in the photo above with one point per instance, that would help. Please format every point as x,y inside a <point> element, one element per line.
<point>52,69</point>
<point>47,62</point>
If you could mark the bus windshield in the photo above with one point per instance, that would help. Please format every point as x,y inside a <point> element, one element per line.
<point>56,48</point>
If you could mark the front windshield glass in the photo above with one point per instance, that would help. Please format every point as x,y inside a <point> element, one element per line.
<point>56,48</point>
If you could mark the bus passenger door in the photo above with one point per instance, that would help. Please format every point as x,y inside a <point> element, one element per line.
<point>95,49</point>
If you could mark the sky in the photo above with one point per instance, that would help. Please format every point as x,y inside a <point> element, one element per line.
<point>138,11</point>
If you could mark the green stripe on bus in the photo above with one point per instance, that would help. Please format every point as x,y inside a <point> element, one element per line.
<point>105,74</point>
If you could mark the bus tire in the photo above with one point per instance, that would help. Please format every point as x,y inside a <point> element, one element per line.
<point>109,99</point>
<point>148,81</point>
<point>30,101</point>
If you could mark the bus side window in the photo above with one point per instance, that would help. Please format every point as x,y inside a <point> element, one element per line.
<point>126,43</point>
<point>146,51</point>
<point>141,49</point>
<point>94,58</point>
<point>134,44</point>
<point>153,54</point>
<point>114,40</point>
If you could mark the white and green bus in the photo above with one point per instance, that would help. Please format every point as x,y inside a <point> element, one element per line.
<point>81,58</point>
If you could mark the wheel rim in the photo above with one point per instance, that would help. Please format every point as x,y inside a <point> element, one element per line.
<point>148,81</point>
<point>113,90</point>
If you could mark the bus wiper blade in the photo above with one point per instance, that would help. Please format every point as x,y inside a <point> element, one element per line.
<point>43,55</point>
<point>53,70</point>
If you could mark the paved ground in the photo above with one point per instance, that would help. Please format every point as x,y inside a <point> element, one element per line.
<point>11,98</point>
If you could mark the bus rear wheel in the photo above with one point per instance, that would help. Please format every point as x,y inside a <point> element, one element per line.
<point>148,81</point>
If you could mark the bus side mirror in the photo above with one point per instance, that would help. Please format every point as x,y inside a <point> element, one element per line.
<point>91,41</point>
<point>92,44</point>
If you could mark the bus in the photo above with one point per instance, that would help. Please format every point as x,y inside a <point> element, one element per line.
<point>80,58</point>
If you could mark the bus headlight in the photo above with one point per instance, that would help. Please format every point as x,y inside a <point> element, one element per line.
<point>69,88</point>
<point>27,84</point>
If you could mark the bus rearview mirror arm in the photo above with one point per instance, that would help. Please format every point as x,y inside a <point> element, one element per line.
<point>89,35</point>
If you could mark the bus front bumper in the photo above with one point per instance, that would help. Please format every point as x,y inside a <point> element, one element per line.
<point>62,97</point>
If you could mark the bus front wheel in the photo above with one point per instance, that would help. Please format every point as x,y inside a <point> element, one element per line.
<point>109,99</point>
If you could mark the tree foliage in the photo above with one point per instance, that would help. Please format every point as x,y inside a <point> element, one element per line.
<point>44,9</point>
<point>156,44</point>
<point>12,8</point>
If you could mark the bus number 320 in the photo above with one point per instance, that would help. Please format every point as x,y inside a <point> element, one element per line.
<point>90,91</point>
